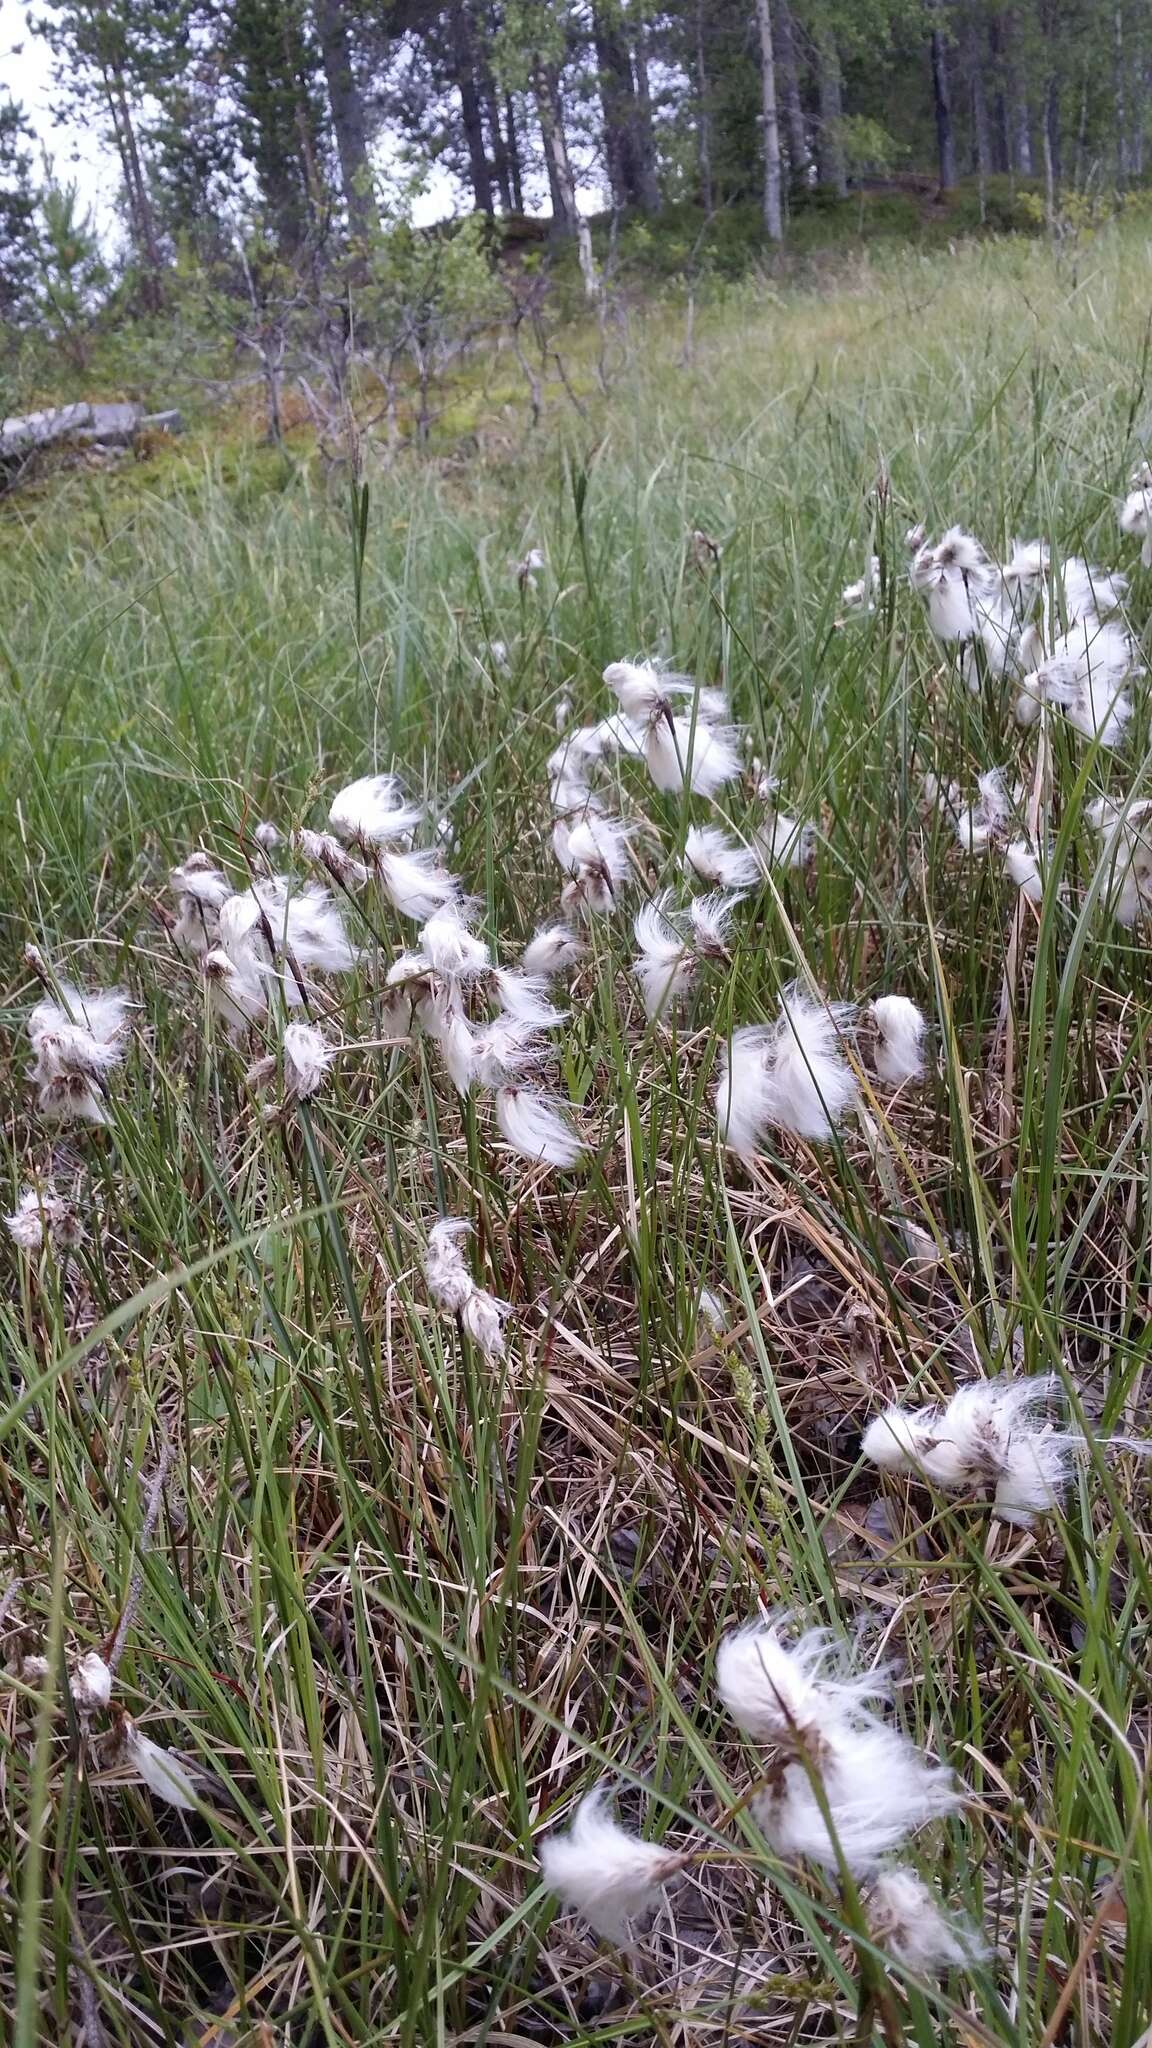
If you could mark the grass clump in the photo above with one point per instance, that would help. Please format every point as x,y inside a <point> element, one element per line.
<point>389,1599</point>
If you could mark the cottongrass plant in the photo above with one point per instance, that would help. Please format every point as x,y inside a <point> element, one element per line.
<point>381,1602</point>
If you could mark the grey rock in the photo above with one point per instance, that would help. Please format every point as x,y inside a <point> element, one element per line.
<point>164,422</point>
<point>115,425</point>
<point>25,432</point>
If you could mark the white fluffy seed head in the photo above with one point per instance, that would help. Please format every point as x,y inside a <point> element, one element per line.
<point>307,1058</point>
<point>166,1777</point>
<point>1086,675</point>
<point>784,842</point>
<point>1034,1472</point>
<point>743,1096</point>
<point>552,949</point>
<point>665,965</point>
<point>446,1274</point>
<point>324,850</point>
<point>710,917</point>
<point>699,757</point>
<point>372,812</point>
<point>812,1087</point>
<point>711,856</point>
<point>1023,865</point>
<point>525,997</point>
<point>451,948</point>
<point>905,1918</point>
<point>41,1216</point>
<point>415,883</point>
<point>537,1127</point>
<point>646,693</point>
<point>878,1788</point>
<point>601,1871</point>
<point>483,1319</point>
<point>90,1683</point>
<point>505,1049</point>
<point>790,1694</point>
<point>897,1440</point>
<point>901,1030</point>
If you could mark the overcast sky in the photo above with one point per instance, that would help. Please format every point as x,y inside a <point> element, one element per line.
<point>26,69</point>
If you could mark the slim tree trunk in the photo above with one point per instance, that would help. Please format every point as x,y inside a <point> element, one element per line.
<point>829,93</point>
<point>139,201</point>
<point>1120,74</point>
<point>512,149</point>
<point>703,116</point>
<point>561,183</point>
<point>498,152</point>
<point>464,66</point>
<point>788,70</point>
<point>614,77</point>
<point>1001,138</point>
<point>770,124</point>
<point>1021,116</point>
<point>981,139</point>
<point>1051,148</point>
<point>348,121</point>
<point>942,104</point>
<point>648,182</point>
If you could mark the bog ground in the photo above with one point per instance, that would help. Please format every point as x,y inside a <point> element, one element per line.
<point>397,1602</point>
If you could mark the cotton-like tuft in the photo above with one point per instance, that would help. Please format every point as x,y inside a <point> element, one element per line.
<point>1136,515</point>
<point>201,889</point>
<point>446,1273</point>
<point>415,883</point>
<point>43,1217</point>
<point>783,841</point>
<point>324,850</point>
<point>859,598</point>
<point>789,1694</point>
<point>1023,865</point>
<point>878,1788</point>
<point>525,997</point>
<point>601,1871</point>
<point>710,918</point>
<point>985,1440</point>
<point>451,948</point>
<point>305,924</point>
<point>537,1127</point>
<point>372,812</point>
<point>713,857</point>
<point>165,1775</point>
<point>812,1086</point>
<point>744,1094</point>
<point>681,748</point>
<point>1086,676</point>
<point>905,1918</point>
<point>551,949</point>
<point>505,1049</point>
<point>702,758</point>
<point>901,1029</point>
<point>307,1058</point>
<point>595,853</point>
<point>665,966</point>
<point>1034,1470</point>
<point>898,1439</point>
<point>90,1683</point>
<point>237,992</point>
<point>954,577</point>
<point>77,1041</point>
<point>483,1319</point>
